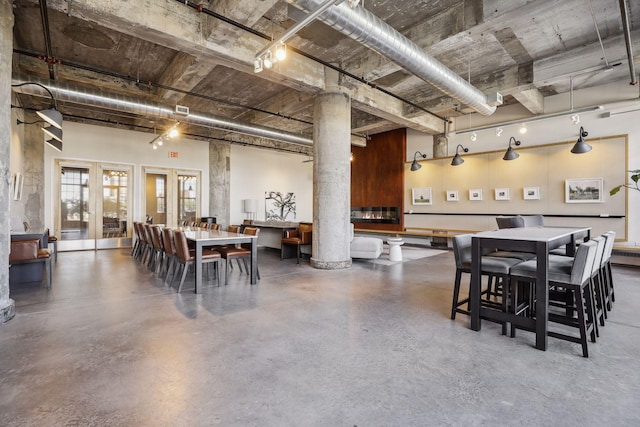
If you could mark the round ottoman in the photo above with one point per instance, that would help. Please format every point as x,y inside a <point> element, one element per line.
<point>395,253</point>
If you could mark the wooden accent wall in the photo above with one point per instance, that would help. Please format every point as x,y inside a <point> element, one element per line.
<point>377,175</point>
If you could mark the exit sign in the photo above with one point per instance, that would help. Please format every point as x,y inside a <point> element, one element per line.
<point>173,154</point>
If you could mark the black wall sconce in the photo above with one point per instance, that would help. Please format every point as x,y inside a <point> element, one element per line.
<point>457,159</point>
<point>580,146</point>
<point>511,154</point>
<point>415,165</point>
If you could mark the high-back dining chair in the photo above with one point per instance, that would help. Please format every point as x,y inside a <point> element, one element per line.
<point>231,252</point>
<point>510,221</point>
<point>573,276</point>
<point>187,258</point>
<point>169,242</point>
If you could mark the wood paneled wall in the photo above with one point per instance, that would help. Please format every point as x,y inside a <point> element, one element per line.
<point>377,175</point>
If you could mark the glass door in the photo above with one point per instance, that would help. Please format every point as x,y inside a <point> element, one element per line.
<point>92,205</point>
<point>188,202</point>
<point>171,196</point>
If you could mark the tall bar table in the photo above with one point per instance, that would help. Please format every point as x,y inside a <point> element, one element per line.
<point>538,240</point>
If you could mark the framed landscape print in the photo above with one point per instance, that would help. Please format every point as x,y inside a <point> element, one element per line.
<point>583,190</point>
<point>475,194</point>
<point>531,193</point>
<point>452,195</point>
<point>502,194</point>
<point>421,196</point>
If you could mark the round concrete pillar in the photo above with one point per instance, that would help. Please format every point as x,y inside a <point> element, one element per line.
<point>331,181</point>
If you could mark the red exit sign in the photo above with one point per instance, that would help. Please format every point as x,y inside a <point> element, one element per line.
<point>173,154</point>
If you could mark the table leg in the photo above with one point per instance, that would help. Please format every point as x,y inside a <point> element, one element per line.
<point>198,265</point>
<point>542,295</point>
<point>254,261</point>
<point>476,282</point>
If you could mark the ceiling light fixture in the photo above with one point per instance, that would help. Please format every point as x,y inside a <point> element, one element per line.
<point>50,131</point>
<point>281,51</point>
<point>457,159</point>
<point>511,154</point>
<point>267,60</point>
<point>53,132</point>
<point>415,165</point>
<point>474,136</point>
<point>56,145</point>
<point>575,119</point>
<point>257,65</point>
<point>159,140</point>
<point>523,129</point>
<point>499,131</point>
<point>581,146</point>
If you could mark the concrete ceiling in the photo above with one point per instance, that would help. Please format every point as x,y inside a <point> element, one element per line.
<point>170,52</point>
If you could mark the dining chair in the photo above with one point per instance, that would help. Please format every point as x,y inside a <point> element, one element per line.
<point>158,249</point>
<point>235,229</point>
<point>533,220</point>
<point>231,252</point>
<point>574,277</point>
<point>492,267</point>
<point>186,258</point>
<point>606,269</point>
<point>510,221</point>
<point>168,239</point>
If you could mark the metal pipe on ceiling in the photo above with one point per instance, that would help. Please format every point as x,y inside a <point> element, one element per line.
<point>95,98</point>
<point>364,27</point>
<point>624,14</point>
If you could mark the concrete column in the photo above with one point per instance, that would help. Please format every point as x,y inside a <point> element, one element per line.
<point>33,189</point>
<point>331,181</point>
<point>7,306</point>
<point>219,181</point>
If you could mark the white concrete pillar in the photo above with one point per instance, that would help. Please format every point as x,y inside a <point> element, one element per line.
<point>219,182</point>
<point>7,306</point>
<point>331,181</point>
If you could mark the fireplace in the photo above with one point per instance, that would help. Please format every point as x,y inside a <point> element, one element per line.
<point>375,215</point>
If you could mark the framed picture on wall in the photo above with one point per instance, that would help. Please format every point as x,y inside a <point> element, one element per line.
<point>18,181</point>
<point>475,194</point>
<point>452,195</point>
<point>421,196</point>
<point>502,194</point>
<point>583,190</point>
<point>531,193</point>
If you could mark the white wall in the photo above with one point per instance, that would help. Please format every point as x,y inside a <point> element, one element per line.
<point>97,143</point>
<point>616,98</point>
<point>255,171</point>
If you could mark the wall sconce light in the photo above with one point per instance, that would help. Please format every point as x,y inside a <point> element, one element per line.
<point>50,115</point>
<point>51,131</point>
<point>415,165</point>
<point>580,146</point>
<point>499,131</point>
<point>474,136</point>
<point>457,159</point>
<point>523,129</point>
<point>511,154</point>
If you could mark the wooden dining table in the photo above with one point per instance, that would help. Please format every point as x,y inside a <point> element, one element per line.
<point>537,240</point>
<point>202,237</point>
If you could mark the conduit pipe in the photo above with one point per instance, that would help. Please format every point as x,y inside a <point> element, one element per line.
<point>96,98</point>
<point>364,27</point>
<point>624,14</point>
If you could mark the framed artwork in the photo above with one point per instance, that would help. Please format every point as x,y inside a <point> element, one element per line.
<point>475,194</point>
<point>421,196</point>
<point>452,195</point>
<point>502,194</point>
<point>279,206</point>
<point>531,193</point>
<point>583,190</point>
<point>18,181</point>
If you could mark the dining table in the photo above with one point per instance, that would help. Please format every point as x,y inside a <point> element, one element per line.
<point>202,237</point>
<point>537,240</point>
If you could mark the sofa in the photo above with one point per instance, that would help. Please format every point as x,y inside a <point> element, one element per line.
<point>365,247</point>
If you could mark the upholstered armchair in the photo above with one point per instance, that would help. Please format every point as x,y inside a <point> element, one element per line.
<point>297,238</point>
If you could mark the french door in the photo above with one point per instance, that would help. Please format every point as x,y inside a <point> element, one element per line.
<point>92,205</point>
<point>171,196</point>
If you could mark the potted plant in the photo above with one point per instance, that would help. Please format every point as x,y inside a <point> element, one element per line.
<point>635,176</point>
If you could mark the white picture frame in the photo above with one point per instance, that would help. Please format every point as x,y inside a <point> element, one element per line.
<point>475,194</point>
<point>421,196</point>
<point>18,182</point>
<point>502,194</point>
<point>531,193</point>
<point>583,190</point>
<point>452,195</point>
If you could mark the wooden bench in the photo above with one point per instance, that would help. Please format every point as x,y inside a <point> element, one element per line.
<point>28,251</point>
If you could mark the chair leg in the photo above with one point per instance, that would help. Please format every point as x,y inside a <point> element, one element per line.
<point>170,271</point>
<point>298,255</point>
<point>184,275</point>
<point>456,294</point>
<point>226,271</point>
<point>581,322</point>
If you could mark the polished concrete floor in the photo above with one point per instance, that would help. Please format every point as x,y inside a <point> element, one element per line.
<point>110,345</point>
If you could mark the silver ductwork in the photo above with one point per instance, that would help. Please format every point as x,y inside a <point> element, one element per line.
<point>364,27</point>
<point>95,98</point>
